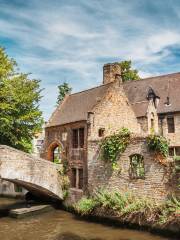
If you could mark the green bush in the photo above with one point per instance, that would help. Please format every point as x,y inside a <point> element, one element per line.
<point>113,145</point>
<point>139,205</point>
<point>128,207</point>
<point>111,200</point>
<point>85,205</point>
<point>158,144</point>
<point>169,208</point>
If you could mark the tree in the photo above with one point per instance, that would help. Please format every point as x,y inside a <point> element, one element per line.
<point>20,117</point>
<point>127,73</point>
<point>63,89</point>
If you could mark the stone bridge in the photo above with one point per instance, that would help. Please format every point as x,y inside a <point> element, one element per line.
<point>39,176</point>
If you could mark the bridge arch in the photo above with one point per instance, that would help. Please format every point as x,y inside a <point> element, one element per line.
<point>37,175</point>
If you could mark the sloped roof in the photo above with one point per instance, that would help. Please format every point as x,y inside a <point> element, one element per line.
<point>76,106</point>
<point>140,108</point>
<point>163,86</point>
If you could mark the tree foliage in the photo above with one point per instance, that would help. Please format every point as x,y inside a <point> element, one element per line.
<point>20,117</point>
<point>63,89</point>
<point>127,73</point>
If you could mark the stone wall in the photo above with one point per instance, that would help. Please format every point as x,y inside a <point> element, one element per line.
<point>112,113</point>
<point>174,138</point>
<point>143,121</point>
<point>155,185</point>
<point>39,176</point>
<point>10,190</point>
<point>54,137</point>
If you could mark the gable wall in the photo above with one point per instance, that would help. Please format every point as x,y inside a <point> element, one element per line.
<point>112,113</point>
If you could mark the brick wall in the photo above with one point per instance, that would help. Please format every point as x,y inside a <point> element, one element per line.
<point>174,138</point>
<point>54,137</point>
<point>112,113</point>
<point>155,185</point>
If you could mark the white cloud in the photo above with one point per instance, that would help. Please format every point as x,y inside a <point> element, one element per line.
<point>79,38</point>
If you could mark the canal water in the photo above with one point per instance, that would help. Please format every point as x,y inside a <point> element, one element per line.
<point>61,225</point>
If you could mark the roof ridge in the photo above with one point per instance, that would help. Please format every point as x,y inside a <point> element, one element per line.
<point>145,101</point>
<point>142,79</point>
<point>89,89</point>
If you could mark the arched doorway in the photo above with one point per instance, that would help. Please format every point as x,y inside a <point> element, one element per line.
<point>55,152</point>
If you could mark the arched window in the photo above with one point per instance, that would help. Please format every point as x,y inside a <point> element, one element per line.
<point>55,152</point>
<point>137,166</point>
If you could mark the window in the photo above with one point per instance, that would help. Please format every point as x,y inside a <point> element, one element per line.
<point>78,138</point>
<point>174,151</point>
<point>73,177</point>
<point>64,136</point>
<point>170,124</point>
<point>77,178</point>
<point>137,166</point>
<point>177,149</point>
<point>4,188</point>
<point>80,178</point>
<point>101,132</point>
<point>171,151</point>
<point>152,124</point>
<point>17,188</point>
<point>57,154</point>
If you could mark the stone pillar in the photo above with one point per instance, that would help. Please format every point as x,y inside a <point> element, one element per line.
<point>77,177</point>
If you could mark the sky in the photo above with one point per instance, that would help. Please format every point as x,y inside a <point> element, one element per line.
<point>71,40</point>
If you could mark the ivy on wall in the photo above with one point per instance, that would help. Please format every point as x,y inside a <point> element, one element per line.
<point>65,182</point>
<point>158,144</point>
<point>114,145</point>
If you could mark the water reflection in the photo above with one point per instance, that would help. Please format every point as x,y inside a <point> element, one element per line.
<point>61,225</point>
<point>71,236</point>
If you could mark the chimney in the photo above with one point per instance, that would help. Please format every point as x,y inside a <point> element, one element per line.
<point>111,72</point>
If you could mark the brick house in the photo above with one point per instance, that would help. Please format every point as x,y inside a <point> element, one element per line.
<point>81,121</point>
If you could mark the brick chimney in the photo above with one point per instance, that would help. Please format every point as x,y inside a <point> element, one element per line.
<point>111,72</point>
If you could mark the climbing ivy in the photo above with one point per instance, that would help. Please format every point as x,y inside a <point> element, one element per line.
<point>114,145</point>
<point>65,182</point>
<point>158,144</point>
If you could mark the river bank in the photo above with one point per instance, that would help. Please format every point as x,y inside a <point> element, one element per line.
<point>62,225</point>
<point>128,212</point>
<point>172,231</point>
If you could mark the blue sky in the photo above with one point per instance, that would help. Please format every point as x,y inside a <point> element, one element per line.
<point>70,40</point>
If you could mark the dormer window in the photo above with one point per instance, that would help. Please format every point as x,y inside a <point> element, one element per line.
<point>167,103</point>
<point>151,94</point>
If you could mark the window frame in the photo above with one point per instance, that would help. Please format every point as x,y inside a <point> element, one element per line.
<point>77,183</point>
<point>174,151</point>
<point>170,124</point>
<point>101,132</point>
<point>135,168</point>
<point>78,137</point>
